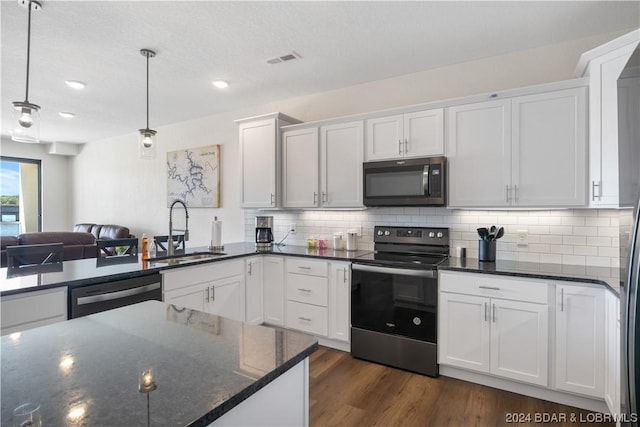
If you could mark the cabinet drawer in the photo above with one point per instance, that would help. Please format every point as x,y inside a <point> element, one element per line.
<point>310,268</point>
<point>307,289</point>
<point>487,285</point>
<point>307,318</point>
<point>32,309</point>
<point>181,277</point>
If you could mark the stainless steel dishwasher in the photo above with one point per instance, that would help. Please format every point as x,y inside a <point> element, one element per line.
<point>91,299</point>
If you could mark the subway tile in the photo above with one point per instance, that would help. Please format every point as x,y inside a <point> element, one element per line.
<point>571,220</point>
<point>561,229</point>
<point>551,258</point>
<point>598,261</point>
<point>599,241</point>
<point>608,231</point>
<point>574,240</point>
<point>574,259</point>
<point>528,257</point>
<point>561,249</point>
<point>551,239</point>
<point>585,250</point>
<point>608,252</point>
<point>585,231</point>
<point>598,221</point>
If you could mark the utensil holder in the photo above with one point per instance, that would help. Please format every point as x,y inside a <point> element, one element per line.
<point>487,250</point>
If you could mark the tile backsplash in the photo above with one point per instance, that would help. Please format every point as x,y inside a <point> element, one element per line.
<point>571,236</point>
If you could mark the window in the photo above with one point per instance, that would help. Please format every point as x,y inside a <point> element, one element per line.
<point>20,201</point>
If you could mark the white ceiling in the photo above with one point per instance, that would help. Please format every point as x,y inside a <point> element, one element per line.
<point>341,44</point>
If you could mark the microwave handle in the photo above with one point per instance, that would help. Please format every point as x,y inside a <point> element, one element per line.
<point>425,180</point>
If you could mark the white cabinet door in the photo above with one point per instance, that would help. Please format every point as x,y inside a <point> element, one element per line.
<point>341,152</point>
<point>463,331</point>
<point>258,162</point>
<point>628,137</point>
<point>273,290</point>
<point>300,168</point>
<point>479,154</point>
<point>423,133</point>
<point>253,290</point>
<point>549,149</point>
<point>519,341</point>
<point>192,297</point>
<point>580,340</point>
<point>384,138</point>
<point>612,355</point>
<point>227,298</point>
<point>32,309</point>
<point>339,301</point>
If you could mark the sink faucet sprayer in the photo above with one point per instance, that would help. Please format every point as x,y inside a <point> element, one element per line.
<point>170,248</point>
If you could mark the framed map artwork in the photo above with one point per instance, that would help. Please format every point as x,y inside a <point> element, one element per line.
<point>193,176</point>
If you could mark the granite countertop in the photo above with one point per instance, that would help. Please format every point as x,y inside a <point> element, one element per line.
<point>85,371</point>
<point>91,271</point>
<point>608,277</point>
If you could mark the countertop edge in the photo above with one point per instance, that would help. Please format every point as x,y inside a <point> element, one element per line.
<point>253,388</point>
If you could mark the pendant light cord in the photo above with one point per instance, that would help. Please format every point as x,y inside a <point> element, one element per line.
<point>147,55</point>
<point>26,95</point>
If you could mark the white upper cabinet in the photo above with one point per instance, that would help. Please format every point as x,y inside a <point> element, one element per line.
<point>479,154</point>
<point>300,171</point>
<point>259,139</point>
<point>604,65</point>
<point>526,151</point>
<point>549,149</point>
<point>325,173</point>
<point>341,152</point>
<point>414,134</point>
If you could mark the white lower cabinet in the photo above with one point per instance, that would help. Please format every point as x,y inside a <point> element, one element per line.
<point>273,290</point>
<point>339,301</point>
<point>32,309</point>
<point>216,288</point>
<point>488,334</point>
<point>253,290</point>
<point>580,334</point>
<point>612,355</point>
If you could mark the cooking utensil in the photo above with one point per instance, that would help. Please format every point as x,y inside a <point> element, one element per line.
<point>483,233</point>
<point>500,233</point>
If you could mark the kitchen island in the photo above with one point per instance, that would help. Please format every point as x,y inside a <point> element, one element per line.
<point>206,369</point>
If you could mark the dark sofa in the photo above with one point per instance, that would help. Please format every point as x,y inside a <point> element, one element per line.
<point>77,244</point>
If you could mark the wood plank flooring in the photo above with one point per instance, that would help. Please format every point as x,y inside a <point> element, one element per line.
<point>350,392</point>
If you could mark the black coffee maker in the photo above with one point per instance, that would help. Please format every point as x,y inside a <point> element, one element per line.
<point>264,233</point>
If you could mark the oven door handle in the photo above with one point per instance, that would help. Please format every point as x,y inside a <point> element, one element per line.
<point>393,270</point>
<point>118,294</point>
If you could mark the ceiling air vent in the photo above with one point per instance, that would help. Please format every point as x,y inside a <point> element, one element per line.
<point>283,58</point>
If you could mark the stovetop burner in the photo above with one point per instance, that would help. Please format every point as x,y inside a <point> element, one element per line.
<point>408,247</point>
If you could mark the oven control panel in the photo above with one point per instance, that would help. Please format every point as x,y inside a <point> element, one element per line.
<point>414,235</point>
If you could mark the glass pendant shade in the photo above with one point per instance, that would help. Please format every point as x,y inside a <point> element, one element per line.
<point>26,123</point>
<point>147,143</point>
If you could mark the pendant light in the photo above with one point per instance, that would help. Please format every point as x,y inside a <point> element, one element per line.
<point>26,116</point>
<point>147,137</point>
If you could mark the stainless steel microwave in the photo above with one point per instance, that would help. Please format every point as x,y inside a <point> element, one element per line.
<point>410,182</point>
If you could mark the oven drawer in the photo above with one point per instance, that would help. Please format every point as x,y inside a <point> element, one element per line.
<point>307,289</point>
<point>306,267</point>
<point>494,286</point>
<point>307,318</point>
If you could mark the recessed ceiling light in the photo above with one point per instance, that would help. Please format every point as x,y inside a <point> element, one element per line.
<point>75,84</point>
<point>66,115</point>
<point>220,84</point>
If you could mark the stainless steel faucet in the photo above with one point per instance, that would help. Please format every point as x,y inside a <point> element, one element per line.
<point>170,248</point>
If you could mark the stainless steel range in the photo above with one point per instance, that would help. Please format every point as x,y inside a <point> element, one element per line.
<point>394,298</point>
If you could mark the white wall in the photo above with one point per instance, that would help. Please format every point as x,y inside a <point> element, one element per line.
<point>112,185</point>
<point>56,183</point>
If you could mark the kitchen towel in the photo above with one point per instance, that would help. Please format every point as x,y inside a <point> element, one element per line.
<point>216,233</point>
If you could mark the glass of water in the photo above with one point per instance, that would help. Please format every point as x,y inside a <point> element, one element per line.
<point>27,415</point>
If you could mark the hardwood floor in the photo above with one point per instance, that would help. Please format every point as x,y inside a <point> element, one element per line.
<point>350,392</point>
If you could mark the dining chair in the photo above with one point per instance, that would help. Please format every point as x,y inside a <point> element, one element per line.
<point>161,242</point>
<point>21,256</point>
<point>117,247</point>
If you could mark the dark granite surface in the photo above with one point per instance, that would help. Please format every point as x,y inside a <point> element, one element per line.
<point>203,365</point>
<point>603,276</point>
<point>91,271</point>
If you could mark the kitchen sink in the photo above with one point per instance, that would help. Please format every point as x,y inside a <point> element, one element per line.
<point>185,258</point>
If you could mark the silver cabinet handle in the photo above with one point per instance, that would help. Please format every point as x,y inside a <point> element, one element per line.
<point>304,268</point>
<point>324,197</point>
<point>494,313</point>
<point>406,150</point>
<point>395,271</point>
<point>399,147</point>
<point>506,194</point>
<point>304,290</point>
<point>315,198</point>
<point>344,275</point>
<point>515,194</point>
<point>273,196</point>
<point>485,311</point>
<point>595,185</point>
<point>561,299</point>
<point>493,288</point>
<point>306,319</point>
<point>250,268</point>
<point>208,294</point>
